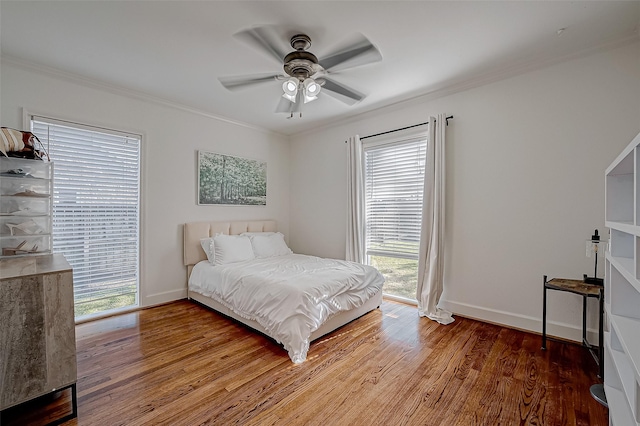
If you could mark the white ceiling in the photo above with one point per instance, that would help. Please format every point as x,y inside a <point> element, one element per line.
<point>175,50</point>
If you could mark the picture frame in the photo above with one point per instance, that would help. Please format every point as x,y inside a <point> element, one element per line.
<point>230,180</point>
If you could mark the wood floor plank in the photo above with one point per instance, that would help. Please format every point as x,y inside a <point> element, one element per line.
<point>183,364</point>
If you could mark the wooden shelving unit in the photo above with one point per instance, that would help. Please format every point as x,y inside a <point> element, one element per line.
<point>622,288</point>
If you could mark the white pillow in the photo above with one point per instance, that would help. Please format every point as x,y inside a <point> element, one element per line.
<point>232,248</point>
<point>207,245</point>
<point>269,245</point>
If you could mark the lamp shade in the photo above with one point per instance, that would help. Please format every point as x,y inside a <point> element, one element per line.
<point>290,88</point>
<point>311,90</point>
<point>311,87</point>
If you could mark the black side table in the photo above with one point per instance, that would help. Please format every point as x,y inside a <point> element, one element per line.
<point>585,290</point>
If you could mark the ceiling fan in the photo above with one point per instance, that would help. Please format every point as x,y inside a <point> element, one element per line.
<point>304,74</point>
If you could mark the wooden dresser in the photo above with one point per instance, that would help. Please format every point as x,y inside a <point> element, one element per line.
<point>37,329</point>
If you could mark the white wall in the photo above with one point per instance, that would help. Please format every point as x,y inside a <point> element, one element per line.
<point>525,183</point>
<point>525,167</point>
<point>171,139</point>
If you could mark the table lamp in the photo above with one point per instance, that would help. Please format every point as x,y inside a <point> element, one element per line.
<point>593,247</point>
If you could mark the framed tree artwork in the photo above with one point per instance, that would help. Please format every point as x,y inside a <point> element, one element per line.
<point>224,179</point>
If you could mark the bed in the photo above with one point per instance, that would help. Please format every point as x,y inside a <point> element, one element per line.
<point>328,311</point>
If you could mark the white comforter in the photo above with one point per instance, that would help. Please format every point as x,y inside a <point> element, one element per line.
<point>290,296</point>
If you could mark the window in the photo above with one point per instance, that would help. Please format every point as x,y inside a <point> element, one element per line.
<point>394,183</point>
<point>96,211</point>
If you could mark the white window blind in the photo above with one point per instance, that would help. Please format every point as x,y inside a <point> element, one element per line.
<point>394,182</point>
<point>96,211</point>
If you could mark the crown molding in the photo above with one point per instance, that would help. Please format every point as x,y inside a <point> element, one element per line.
<point>446,89</point>
<point>483,79</point>
<point>121,91</point>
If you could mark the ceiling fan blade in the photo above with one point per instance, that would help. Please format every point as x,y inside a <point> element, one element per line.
<point>242,81</point>
<point>360,51</point>
<point>264,39</point>
<point>341,92</point>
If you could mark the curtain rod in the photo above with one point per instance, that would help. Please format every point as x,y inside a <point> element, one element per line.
<point>403,128</point>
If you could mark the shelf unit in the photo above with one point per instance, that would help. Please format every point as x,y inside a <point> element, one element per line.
<point>26,189</point>
<point>622,288</point>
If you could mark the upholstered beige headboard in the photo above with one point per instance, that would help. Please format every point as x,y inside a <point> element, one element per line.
<point>194,231</point>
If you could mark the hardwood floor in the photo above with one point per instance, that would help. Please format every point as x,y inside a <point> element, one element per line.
<point>182,364</point>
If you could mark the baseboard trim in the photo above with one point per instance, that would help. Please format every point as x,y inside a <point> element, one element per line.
<point>555,329</point>
<point>560,330</point>
<point>164,297</point>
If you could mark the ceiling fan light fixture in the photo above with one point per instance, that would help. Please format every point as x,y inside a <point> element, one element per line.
<point>311,87</point>
<point>308,98</point>
<point>311,90</point>
<point>290,88</point>
<point>289,97</point>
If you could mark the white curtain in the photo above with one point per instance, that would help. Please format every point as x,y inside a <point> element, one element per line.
<point>431,254</point>
<point>355,201</point>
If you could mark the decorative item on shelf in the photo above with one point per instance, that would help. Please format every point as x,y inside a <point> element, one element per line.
<point>15,173</point>
<point>21,144</point>
<point>593,246</point>
<point>30,193</point>
<point>12,251</point>
<point>20,249</point>
<point>29,227</point>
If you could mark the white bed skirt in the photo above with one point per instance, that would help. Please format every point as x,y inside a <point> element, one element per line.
<point>330,325</point>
